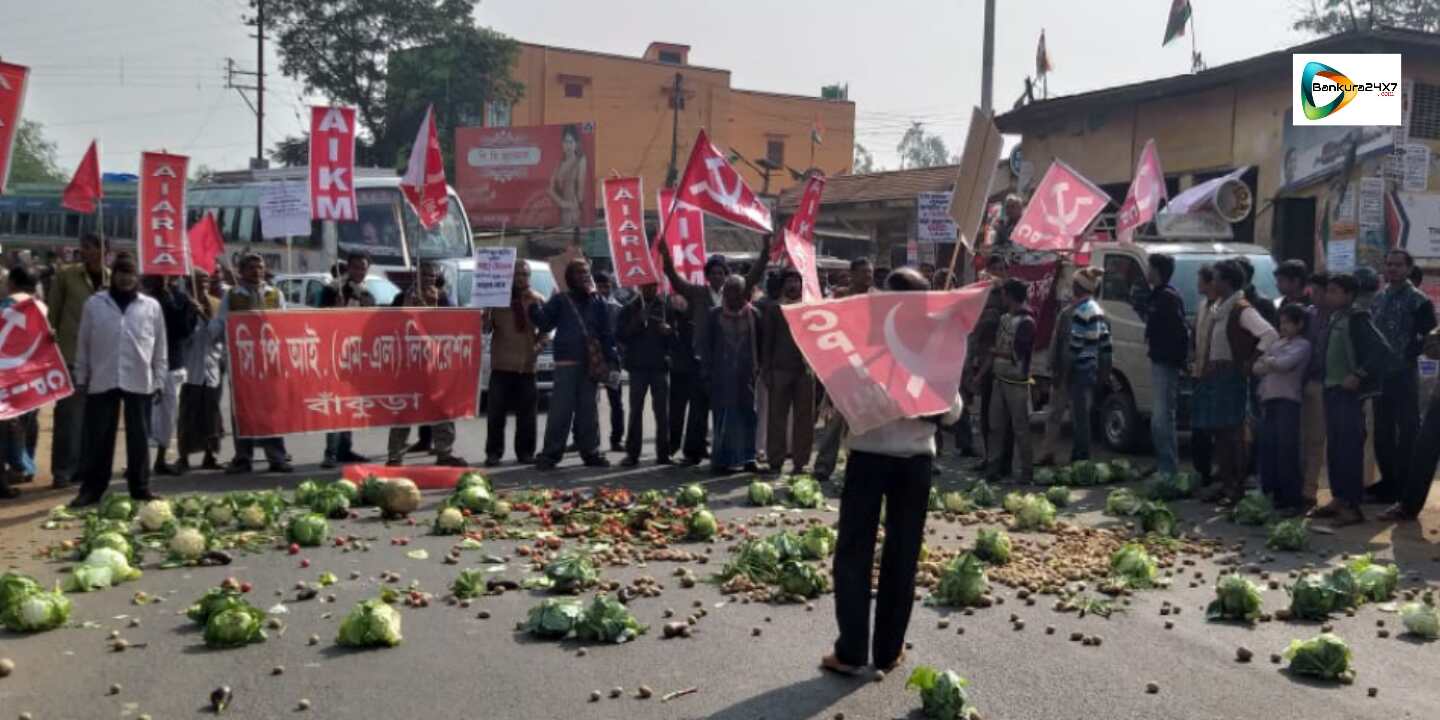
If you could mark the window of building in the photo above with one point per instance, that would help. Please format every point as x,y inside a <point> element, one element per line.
<point>1425,112</point>
<point>775,151</point>
<point>497,114</point>
<point>574,90</point>
<point>670,57</point>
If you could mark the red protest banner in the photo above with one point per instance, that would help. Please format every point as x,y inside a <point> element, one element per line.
<point>332,163</point>
<point>711,184</point>
<point>300,371</point>
<point>802,223</point>
<point>1146,192</point>
<point>886,356</point>
<point>12,101</point>
<point>685,236</point>
<point>160,215</point>
<point>1063,205</point>
<point>424,180</point>
<point>32,372</point>
<point>625,225</point>
<point>1039,279</point>
<point>802,255</point>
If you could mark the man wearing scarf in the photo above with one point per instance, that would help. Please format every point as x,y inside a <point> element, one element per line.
<point>425,292</point>
<point>730,357</point>
<point>515,344</point>
<point>348,291</point>
<point>581,322</point>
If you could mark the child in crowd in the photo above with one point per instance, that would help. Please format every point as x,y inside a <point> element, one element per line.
<point>1281,370</point>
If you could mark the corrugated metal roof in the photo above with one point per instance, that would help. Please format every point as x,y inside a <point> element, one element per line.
<point>875,187</point>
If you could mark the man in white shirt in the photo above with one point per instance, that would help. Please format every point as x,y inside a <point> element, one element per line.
<point>120,360</point>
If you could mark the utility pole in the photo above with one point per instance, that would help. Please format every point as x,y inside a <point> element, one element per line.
<point>258,107</point>
<point>677,101</point>
<point>987,60</point>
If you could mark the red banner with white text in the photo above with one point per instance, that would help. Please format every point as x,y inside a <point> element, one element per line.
<point>32,372</point>
<point>625,223</point>
<point>332,163</point>
<point>802,223</point>
<point>887,356</point>
<point>12,102</point>
<point>685,236</point>
<point>301,371</point>
<point>160,215</point>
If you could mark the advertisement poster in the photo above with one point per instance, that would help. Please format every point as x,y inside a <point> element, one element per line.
<point>1340,256</point>
<point>1416,167</point>
<point>1372,202</point>
<point>527,177</point>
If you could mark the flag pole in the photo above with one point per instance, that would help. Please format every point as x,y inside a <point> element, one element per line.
<point>1194,42</point>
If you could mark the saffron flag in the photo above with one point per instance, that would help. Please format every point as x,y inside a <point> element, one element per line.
<point>1064,204</point>
<point>206,243</point>
<point>625,226</point>
<point>160,215</point>
<point>332,163</point>
<point>802,223</point>
<point>424,180</point>
<point>713,186</point>
<point>887,356</point>
<point>12,101</point>
<point>1143,199</point>
<point>1042,57</point>
<point>1175,25</point>
<point>85,188</point>
<point>685,237</point>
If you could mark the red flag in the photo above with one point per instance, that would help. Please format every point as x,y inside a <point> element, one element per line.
<point>85,188</point>
<point>1064,204</point>
<point>32,374</point>
<point>332,163</point>
<point>206,243</point>
<point>12,101</point>
<point>802,255</point>
<point>802,223</point>
<point>886,356</point>
<point>1146,192</point>
<point>713,186</point>
<point>160,215</point>
<point>424,180</point>
<point>625,223</point>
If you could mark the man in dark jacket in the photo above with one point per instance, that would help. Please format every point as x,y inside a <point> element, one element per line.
<point>578,316</point>
<point>605,288</point>
<point>347,291</point>
<point>1404,316</point>
<point>426,292</point>
<point>180,313</point>
<point>647,329</point>
<point>689,397</point>
<point>789,381</point>
<point>1168,341</point>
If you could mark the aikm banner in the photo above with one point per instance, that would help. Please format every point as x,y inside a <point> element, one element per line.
<point>325,370</point>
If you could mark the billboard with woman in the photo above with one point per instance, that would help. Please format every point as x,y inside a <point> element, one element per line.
<point>527,177</point>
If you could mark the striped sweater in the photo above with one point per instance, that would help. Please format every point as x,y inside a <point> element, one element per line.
<point>1089,336</point>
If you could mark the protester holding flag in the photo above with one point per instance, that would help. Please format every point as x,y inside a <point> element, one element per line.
<point>19,453</point>
<point>426,291</point>
<point>200,425</point>
<point>252,293</point>
<point>1089,340</point>
<point>730,357</point>
<point>72,287</point>
<point>120,359</point>
<point>585,357</point>
<point>646,331</point>
<point>605,289</point>
<point>790,382</point>
<point>890,466</point>
<point>180,312</point>
<point>515,345</point>
<point>1010,391</point>
<point>347,291</point>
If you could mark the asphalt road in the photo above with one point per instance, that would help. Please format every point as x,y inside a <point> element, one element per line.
<point>455,664</point>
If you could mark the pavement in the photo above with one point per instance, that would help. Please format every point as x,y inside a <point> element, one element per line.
<point>455,663</point>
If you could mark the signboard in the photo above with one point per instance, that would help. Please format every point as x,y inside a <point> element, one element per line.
<point>32,372</point>
<point>977,169</point>
<point>1372,202</point>
<point>284,209</point>
<point>1340,256</point>
<point>932,218</point>
<point>160,215</point>
<point>332,163</point>
<point>625,227</point>
<point>685,236</point>
<point>301,371</point>
<point>541,176</point>
<point>494,274</point>
<point>1313,153</point>
<point>1416,168</point>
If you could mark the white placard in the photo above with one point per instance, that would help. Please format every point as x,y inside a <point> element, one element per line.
<point>932,218</point>
<point>1417,167</point>
<point>1340,256</point>
<point>494,274</point>
<point>284,209</point>
<point>1372,202</point>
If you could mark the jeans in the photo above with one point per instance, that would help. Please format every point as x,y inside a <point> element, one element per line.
<point>689,415</point>
<point>615,396</point>
<point>65,440</point>
<point>903,484</point>
<point>1345,445</point>
<point>17,453</point>
<point>1422,464</point>
<point>573,401</point>
<point>1165,384</point>
<point>1279,450</point>
<point>657,384</point>
<point>1397,415</point>
<point>511,392</point>
<point>102,422</point>
<point>1082,394</point>
<point>792,414</point>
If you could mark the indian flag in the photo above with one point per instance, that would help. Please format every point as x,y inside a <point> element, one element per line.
<point>1179,15</point>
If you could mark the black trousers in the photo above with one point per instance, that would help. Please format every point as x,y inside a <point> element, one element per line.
<point>615,397</point>
<point>1422,464</point>
<point>1202,453</point>
<point>903,484</point>
<point>689,414</point>
<point>1278,450</point>
<point>1397,415</point>
<point>511,392</point>
<point>97,442</point>
<point>657,384</point>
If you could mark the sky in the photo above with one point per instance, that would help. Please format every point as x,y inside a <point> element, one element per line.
<point>150,74</point>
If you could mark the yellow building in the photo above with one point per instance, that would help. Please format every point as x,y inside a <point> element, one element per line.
<point>630,101</point>
<point>1212,122</point>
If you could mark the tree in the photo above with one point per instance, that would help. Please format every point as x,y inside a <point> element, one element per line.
<point>389,59</point>
<point>919,149</point>
<point>1329,17</point>
<point>34,156</point>
<point>864,160</point>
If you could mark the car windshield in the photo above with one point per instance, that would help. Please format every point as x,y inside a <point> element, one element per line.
<point>383,213</point>
<point>1187,267</point>
<point>446,241</point>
